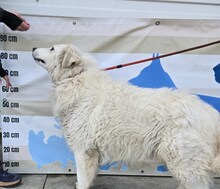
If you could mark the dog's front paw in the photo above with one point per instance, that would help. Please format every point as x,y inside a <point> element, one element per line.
<point>76,185</point>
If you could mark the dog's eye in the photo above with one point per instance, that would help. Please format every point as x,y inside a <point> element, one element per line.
<point>52,49</point>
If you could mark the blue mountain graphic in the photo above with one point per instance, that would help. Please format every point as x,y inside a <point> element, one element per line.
<point>216,70</point>
<point>154,76</point>
<point>55,150</point>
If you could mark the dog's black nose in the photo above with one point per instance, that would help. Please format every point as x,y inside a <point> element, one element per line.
<point>34,49</point>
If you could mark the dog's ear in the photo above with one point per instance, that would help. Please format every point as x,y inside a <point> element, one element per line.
<point>71,56</point>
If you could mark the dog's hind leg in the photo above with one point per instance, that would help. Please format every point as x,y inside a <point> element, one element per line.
<point>190,173</point>
<point>188,158</point>
<point>189,176</point>
<point>87,164</point>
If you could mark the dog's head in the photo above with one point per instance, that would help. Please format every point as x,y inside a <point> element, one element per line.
<point>62,61</point>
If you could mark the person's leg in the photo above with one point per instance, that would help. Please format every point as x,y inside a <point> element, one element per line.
<point>8,179</point>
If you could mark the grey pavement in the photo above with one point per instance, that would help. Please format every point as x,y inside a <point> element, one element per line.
<point>102,182</point>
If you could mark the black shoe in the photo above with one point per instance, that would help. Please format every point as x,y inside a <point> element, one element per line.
<point>8,179</point>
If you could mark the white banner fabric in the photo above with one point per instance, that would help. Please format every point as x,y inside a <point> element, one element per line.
<point>32,137</point>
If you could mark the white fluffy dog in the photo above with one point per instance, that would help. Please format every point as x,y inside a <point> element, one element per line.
<point>106,121</point>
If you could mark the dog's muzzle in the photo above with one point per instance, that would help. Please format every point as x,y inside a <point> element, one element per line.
<point>37,59</point>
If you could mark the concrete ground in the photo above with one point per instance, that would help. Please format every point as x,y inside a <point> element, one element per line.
<point>102,182</point>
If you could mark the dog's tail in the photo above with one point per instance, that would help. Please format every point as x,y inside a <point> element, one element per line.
<point>216,164</point>
<point>216,160</point>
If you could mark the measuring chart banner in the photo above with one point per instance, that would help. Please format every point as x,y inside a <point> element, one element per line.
<point>32,137</point>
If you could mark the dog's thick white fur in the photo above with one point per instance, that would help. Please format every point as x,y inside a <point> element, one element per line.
<point>106,121</point>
